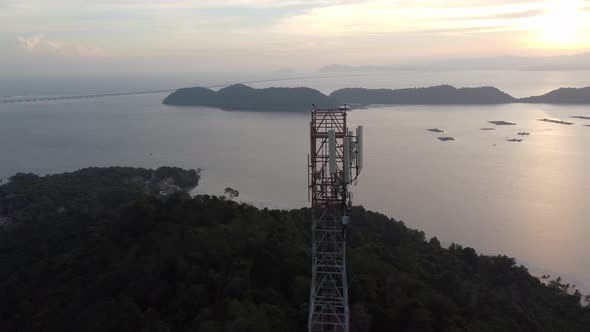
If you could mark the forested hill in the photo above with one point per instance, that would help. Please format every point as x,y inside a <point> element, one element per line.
<point>88,193</point>
<point>242,97</point>
<point>123,258</point>
<point>562,96</point>
<point>436,95</point>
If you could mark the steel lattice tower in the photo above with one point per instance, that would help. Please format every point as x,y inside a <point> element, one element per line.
<point>335,162</point>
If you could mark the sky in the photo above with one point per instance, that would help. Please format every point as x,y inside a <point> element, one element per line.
<point>44,37</point>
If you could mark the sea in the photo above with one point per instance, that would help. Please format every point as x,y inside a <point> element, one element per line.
<point>527,200</point>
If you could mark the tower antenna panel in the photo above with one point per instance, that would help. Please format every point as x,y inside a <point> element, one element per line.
<point>359,148</point>
<point>332,150</point>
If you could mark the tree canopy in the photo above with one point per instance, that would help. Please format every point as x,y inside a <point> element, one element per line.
<point>205,263</point>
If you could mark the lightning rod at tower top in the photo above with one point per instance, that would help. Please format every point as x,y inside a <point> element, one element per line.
<point>335,161</point>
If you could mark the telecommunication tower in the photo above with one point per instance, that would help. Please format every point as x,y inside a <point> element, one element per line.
<point>335,162</point>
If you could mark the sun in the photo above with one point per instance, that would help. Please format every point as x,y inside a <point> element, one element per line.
<point>564,24</point>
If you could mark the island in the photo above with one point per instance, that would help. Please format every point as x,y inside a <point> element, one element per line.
<point>436,95</point>
<point>242,97</point>
<point>101,249</point>
<point>581,117</point>
<point>562,96</point>
<point>446,139</point>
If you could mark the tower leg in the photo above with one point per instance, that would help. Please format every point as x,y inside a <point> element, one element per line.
<point>329,290</point>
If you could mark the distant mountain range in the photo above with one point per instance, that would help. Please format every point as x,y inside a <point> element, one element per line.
<point>242,97</point>
<point>563,62</point>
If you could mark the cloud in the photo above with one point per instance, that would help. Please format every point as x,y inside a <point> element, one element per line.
<point>259,32</point>
<point>176,4</point>
<point>508,15</point>
<point>30,43</point>
<point>380,16</point>
<point>38,43</point>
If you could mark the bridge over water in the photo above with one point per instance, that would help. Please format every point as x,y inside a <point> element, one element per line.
<point>92,96</point>
<point>56,98</point>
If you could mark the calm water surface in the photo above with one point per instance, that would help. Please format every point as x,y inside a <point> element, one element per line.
<point>527,200</point>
